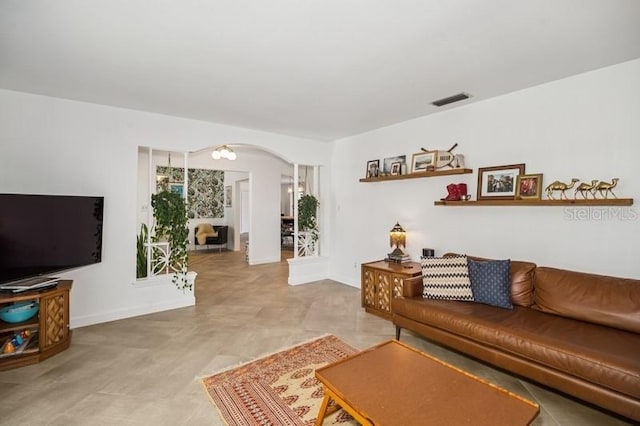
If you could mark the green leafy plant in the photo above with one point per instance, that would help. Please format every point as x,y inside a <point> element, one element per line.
<point>170,213</point>
<point>307,215</point>
<point>141,252</point>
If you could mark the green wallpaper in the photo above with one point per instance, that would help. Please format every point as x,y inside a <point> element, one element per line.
<point>206,190</point>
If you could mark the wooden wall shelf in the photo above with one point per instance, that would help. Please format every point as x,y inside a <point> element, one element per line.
<point>597,202</point>
<point>447,172</point>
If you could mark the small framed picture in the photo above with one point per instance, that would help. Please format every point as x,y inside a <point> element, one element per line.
<point>373,168</point>
<point>423,161</point>
<point>228,193</point>
<point>388,162</point>
<point>529,187</point>
<point>498,182</point>
<point>177,188</point>
<point>396,168</point>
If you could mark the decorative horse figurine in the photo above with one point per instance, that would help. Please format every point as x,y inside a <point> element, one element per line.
<point>585,189</point>
<point>606,187</point>
<point>560,186</point>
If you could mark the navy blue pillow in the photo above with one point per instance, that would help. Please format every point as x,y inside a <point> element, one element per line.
<point>491,283</point>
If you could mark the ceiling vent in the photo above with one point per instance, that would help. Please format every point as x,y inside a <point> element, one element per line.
<point>451,99</point>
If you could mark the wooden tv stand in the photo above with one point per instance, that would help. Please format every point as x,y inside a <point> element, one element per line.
<point>51,323</point>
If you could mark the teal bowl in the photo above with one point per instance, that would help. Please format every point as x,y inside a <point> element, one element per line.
<point>19,312</point>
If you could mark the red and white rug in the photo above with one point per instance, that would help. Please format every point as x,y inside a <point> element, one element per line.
<point>278,389</point>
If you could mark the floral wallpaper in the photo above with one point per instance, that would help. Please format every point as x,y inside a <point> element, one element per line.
<point>206,190</point>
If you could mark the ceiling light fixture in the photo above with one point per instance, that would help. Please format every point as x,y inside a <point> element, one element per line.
<point>223,152</point>
<point>451,99</point>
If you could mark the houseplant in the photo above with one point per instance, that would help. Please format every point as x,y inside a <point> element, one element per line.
<point>307,221</point>
<point>170,213</point>
<point>141,252</point>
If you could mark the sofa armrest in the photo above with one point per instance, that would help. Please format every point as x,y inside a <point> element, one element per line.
<point>412,287</point>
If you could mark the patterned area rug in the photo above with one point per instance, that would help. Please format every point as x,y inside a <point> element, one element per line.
<point>278,389</point>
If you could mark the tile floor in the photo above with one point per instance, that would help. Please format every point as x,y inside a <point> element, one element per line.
<point>144,370</point>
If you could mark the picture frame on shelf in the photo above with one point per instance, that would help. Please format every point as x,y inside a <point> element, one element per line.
<point>423,161</point>
<point>396,168</point>
<point>386,165</point>
<point>373,169</point>
<point>529,187</point>
<point>498,182</point>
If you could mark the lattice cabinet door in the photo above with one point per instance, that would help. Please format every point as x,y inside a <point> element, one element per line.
<point>54,320</point>
<point>383,291</point>
<point>398,283</point>
<point>368,288</point>
<point>382,282</point>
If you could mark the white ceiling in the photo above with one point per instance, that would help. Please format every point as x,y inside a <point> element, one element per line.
<point>321,69</point>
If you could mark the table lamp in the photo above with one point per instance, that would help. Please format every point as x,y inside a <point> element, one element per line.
<point>398,242</point>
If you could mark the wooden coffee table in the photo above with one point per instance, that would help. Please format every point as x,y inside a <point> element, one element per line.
<point>394,384</point>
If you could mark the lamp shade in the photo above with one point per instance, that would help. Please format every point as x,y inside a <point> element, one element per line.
<point>398,237</point>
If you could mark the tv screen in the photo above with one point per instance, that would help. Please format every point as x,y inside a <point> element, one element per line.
<point>42,234</point>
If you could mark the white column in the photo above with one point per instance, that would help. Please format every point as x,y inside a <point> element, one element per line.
<point>152,182</point>
<point>296,196</point>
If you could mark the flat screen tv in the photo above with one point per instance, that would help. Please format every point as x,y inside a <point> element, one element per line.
<point>43,234</point>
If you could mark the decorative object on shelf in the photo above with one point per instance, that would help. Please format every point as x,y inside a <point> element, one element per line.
<point>456,192</point>
<point>444,159</point>
<point>373,168</point>
<point>498,182</point>
<point>223,152</point>
<point>529,187</point>
<point>606,187</point>
<point>396,168</point>
<point>585,189</point>
<point>398,242</point>
<point>169,211</point>
<point>560,186</point>
<point>428,252</point>
<point>19,312</point>
<point>389,161</point>
<point>421,161</point>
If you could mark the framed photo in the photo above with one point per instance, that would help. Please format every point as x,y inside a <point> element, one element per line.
<point>498,182</point>
<point>529,187</point>
<point>386,167</point>
<point>177,188</point>
<point>396,168</point>
<point>227,195</point>
<point>423,161</point>
<point>373,168</point>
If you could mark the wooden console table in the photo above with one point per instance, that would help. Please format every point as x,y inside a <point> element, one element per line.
<point>50,325</point>
<point>382,281</point>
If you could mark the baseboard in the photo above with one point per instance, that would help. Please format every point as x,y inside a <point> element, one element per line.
<point>87,320</point>
<point>263,261</point>
<point>346,280</point>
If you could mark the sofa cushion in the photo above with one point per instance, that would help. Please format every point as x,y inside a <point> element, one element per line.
<point>446,278</point>
<point>490,282</point>
<point>600,299</point>
<point>521,280</point>
<point>598,354</point>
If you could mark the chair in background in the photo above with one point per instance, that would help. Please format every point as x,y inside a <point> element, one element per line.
<point>219,240</point>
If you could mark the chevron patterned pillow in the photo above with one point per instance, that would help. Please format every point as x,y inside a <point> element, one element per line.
<point>446,278</point>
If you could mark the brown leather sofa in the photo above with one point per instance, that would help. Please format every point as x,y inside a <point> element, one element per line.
<point>575,332</point>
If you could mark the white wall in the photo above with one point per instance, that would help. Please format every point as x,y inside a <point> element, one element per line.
<point>585,126</point>
<point>57,146</point>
